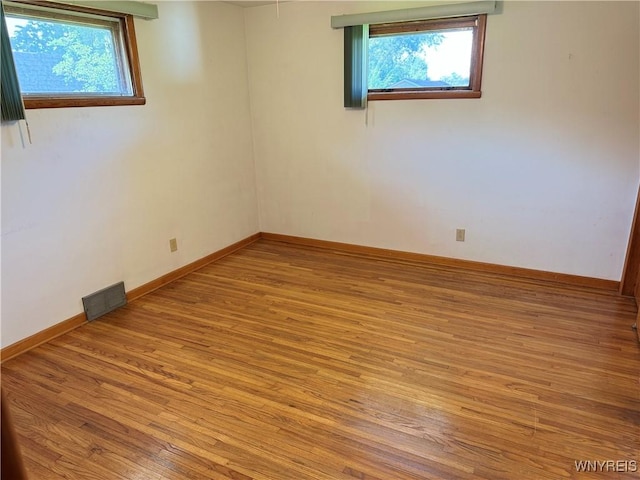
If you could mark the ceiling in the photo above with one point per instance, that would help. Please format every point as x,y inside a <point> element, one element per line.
<point>250,3</point>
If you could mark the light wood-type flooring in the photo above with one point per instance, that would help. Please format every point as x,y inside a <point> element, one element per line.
<point>289,362</point>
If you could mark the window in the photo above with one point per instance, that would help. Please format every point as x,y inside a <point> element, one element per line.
<point>71,56</point>
<point>410,48</point>
<point>439,58</point>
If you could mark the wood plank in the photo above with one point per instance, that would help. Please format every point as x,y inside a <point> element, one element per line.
<point>282,361</point>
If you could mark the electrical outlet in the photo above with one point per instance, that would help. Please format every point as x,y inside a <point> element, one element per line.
<point>459,234</point>
<point>173,244</point>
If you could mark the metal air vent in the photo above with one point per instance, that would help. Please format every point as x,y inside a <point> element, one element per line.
<point>104,301</point>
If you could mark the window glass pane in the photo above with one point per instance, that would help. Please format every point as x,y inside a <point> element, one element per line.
<point>436,59</point>
<point>54,56</point>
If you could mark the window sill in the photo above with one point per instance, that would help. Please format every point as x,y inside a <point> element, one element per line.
<point>413,95</point>
<point>60,102</point>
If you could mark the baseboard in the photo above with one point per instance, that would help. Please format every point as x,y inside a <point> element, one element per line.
<point>43,336</point>
<point>564,278</point>
<point>187,269</point>
<point>76,321</point>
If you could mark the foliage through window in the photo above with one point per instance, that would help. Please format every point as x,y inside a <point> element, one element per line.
<point>73,56</point>
<point>426,59</point>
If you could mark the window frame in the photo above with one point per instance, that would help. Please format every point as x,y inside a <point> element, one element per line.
<point>479,25</point>
<point>128,46</point>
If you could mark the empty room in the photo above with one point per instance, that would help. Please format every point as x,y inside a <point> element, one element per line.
<point>320,240</point>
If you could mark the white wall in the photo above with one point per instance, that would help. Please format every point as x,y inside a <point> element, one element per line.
<point>542,171</point>
<point>101,191</point>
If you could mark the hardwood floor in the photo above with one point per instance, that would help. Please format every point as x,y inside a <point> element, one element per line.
<point>285,362</point>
